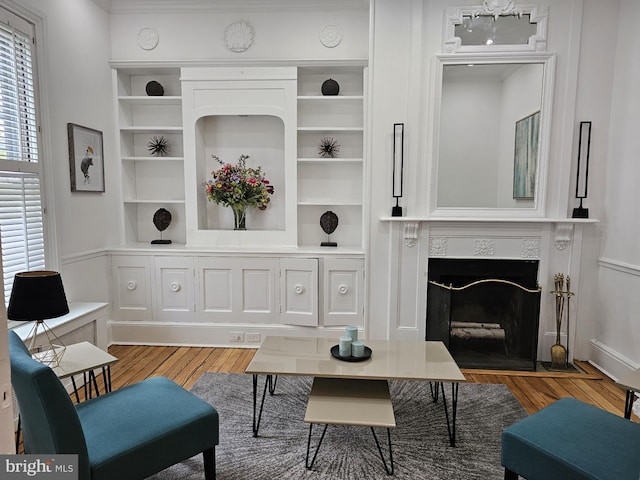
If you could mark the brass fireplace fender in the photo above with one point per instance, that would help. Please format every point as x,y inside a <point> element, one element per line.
<point>485,280</point>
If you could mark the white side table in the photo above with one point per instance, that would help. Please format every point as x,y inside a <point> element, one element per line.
<point>84,358</point>
<point>631,383</point>
<point>81,358</point>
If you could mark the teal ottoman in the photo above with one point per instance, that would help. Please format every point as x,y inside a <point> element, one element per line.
<point>571,440</point>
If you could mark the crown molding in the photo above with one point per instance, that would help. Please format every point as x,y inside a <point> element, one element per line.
<point>187,6</point>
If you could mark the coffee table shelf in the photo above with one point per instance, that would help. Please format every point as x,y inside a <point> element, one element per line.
<point>361,403</point>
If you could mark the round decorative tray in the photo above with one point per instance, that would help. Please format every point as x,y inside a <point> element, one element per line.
<point>335,351</point>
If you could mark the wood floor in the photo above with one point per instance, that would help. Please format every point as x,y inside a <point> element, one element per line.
<point>534,390</point>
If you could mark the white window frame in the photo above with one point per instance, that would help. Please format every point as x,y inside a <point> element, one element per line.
<point>27,169</point>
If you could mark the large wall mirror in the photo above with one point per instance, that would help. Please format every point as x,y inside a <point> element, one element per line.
<point>491,134</point>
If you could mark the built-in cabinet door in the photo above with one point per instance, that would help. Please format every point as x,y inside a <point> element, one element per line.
<point>343,291</point>
<point>131,280</point>
<point>215,287</point>
<point>299,291</point>
<point>175,287</point>
<point>239,290</point>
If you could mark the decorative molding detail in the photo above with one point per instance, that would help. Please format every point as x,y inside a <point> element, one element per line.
<point>411,234</point>
<point>437,247</point>
<point>564,233</point>
<point>238,36</point>
<point>495,8</point>
<point>331,36</point>
<point>148,38</point>
<point>617,265</point>
<point>530,248</point>
<point>484,248</point>
<point>231,7</point>
<point>453,16</point>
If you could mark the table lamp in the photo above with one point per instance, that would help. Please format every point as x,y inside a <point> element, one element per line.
<point>37,296</point>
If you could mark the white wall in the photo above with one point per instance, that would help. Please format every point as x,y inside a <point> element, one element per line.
<point>396,71</point>
<point>291,33</point>
<point>76,88</point>
<point>615,332</point>
<point>522,96</point>
<point>470,123</point>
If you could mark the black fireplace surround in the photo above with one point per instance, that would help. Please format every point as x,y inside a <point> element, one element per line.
<point>490,324</point>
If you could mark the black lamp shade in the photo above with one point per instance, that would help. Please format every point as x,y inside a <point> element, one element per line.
<point>37,295</point>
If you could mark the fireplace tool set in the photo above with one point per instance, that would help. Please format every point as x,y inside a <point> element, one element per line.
<point>560,353</point>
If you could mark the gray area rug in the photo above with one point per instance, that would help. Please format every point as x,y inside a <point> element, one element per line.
<point>420,441</point>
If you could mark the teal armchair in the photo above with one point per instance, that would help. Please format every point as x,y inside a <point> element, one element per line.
<point>127,434</point>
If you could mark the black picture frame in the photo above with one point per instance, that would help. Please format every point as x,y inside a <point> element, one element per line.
<point>86,159</point>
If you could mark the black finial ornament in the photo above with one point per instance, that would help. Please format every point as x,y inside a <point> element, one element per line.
<point>161,219</point>
<point>329,223</point>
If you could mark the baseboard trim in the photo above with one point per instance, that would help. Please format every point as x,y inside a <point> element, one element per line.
<point>221,335</point>
<point>611,362</point>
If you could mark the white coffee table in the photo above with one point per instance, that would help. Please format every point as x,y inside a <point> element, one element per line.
<point>390,360</point>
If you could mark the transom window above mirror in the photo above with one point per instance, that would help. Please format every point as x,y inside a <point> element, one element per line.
<point>496,25</point>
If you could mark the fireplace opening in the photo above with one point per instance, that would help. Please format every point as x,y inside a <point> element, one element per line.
<point>485,311</point>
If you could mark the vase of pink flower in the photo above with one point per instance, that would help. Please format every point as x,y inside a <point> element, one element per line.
<point>239,187</point>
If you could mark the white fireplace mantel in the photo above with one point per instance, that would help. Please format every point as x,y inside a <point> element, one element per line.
<point>533,220</point>
<point>563,226</point>
<point>556,243</point>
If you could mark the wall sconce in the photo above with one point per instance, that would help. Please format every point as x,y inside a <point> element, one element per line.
<point>584,145</point>
<point>398,160</point>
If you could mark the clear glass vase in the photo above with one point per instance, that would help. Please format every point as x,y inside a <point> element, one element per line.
<point>239,217</point>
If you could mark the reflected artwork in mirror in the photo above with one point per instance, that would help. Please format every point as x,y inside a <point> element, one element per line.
<point>481,164</point>
<point>525,162</point>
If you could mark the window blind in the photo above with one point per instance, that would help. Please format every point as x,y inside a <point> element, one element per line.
<point>21,209</point>
<point>21,229</point>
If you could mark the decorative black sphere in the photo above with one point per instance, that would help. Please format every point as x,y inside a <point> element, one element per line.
<point>330,87</point>
<point>154,89</point>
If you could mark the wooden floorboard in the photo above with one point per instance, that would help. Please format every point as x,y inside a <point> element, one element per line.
<point>534,390</point>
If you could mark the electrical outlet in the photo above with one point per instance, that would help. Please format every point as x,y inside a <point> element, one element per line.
<point>236,337</point>
<point>253,337</point>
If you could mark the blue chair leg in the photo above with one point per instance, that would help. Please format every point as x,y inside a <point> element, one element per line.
<point>509,475</point>
<point>210,463</point>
